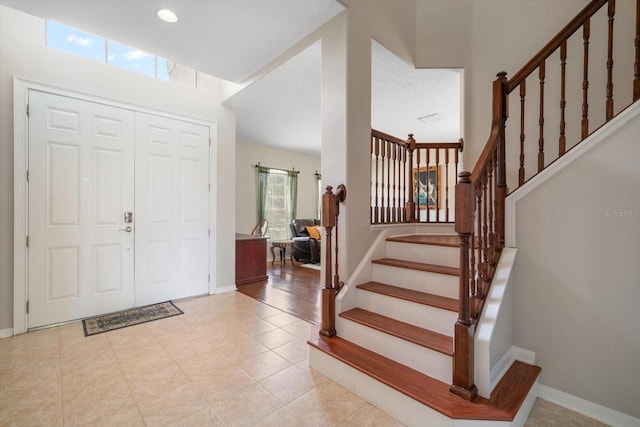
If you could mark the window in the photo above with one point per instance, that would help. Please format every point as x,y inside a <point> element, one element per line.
<point>107,51</point>
<point>76,42</point>
<point>277,200</point>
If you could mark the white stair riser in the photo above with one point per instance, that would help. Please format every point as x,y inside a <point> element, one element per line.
<point>424,281</point>
<point>431,254</point>
<point>424,316</point>
<point>422,359</point>
<point>398,405</point>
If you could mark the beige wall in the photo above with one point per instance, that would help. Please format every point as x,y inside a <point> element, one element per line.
<point>249,154</point>
<point>485,37</point>
<point>23,54</point>
<point>577,274</point>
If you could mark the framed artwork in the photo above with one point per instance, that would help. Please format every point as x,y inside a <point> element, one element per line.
<point>426,187</point>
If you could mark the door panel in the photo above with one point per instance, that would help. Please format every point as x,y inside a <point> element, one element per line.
<point>80,183</point>
<point>172,199</point>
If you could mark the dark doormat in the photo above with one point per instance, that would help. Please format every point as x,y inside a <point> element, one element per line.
<point>133,316</point>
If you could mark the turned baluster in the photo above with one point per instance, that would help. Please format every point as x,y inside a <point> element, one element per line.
<point>562,141</point>
<point>609,104</point>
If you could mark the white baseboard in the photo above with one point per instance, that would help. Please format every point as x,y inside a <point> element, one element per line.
<point>505,362</point>
<point>231,288</point>
<point>603,414</point>
<point>6,333</point>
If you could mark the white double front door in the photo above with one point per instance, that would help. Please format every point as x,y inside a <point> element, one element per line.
<point>118,208</point>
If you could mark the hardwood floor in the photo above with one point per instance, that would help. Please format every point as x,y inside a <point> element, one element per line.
<point>290,288</point>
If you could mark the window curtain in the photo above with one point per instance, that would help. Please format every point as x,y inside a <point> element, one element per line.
<point>262,192</point>
<point>264,189</point>
<point>292,178</point>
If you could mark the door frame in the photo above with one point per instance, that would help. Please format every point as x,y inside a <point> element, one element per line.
<point>21,88</point>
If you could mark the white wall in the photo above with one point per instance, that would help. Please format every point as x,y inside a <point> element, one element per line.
<point>577,274</point>
<point>249,154</point>
<point>23,54</point>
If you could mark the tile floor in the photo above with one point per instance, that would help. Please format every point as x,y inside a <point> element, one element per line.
<point>228,361</point>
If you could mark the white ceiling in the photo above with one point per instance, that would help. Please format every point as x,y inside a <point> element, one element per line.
<point>234,39</point>
<point>231,39</point>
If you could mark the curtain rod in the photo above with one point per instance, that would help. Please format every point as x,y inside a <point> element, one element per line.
<point>318,175</point>
<point>258,165</point>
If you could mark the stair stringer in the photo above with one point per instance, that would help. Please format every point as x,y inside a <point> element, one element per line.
<point>493,341</point>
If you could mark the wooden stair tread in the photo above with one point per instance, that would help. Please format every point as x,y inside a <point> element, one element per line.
<point>406,331</point>
<point>504,404</point>
<point>421,266</point>
<point>424,298</point>
<point>428,239</point>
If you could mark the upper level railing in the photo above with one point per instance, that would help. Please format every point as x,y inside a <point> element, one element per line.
<point>480,195</point>
<point>426,170</point>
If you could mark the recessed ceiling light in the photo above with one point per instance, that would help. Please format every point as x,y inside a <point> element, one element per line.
<point>167,16</point>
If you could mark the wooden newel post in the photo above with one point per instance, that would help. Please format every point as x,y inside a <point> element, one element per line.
<point>330,210</point>
<point>500,108</point>
<point>410,205</point>
<point>463,358</point>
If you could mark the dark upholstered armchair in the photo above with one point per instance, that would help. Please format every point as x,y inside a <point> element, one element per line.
<point>305,247</point>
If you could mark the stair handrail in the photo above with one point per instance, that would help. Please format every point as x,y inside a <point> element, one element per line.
<point>480,195</point>
<point>332,283</point>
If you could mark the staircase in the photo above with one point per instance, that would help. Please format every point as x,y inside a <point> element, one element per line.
<point>400,333</point>
<point>405,336</point>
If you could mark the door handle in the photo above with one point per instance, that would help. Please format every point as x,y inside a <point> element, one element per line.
<point>128,229</point>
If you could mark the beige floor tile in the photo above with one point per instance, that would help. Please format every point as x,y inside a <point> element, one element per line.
<point>96,400</point>
<point>370,416</point>
<point>45,340</point>
<point>295,352</point>
<point>326,405</point>
<point>172,405</point>
<point>144,385</point>
<point>264,365</point>
<point>204,416</point>
<point>38,365</point>
<point>299,329</point>
<point>180,349</point>
<point>127,416</point>
<point>84,347</point>
<point>242,349</point>
<point>143,360</point>
<point>282,319</point>
<point>73,332</point>
<point>254,327</point>
<point>284,417</point>
<point>224,384</point>
<point>41,411</point>
<point>289,384</point>
<point>196,369</point>
<point>136,337</point>
<point>75,378</point>
<point>275,338</point>
<point>235,411</point>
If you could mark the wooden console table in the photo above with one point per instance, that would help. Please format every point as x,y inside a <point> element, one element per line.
<point>251,259</point>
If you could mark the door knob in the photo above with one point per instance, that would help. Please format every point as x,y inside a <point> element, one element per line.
<point>128,229</point>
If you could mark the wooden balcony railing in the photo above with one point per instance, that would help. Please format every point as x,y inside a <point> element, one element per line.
<point>399,169</point>
<point>480,195</point>
<point>332,284</point>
